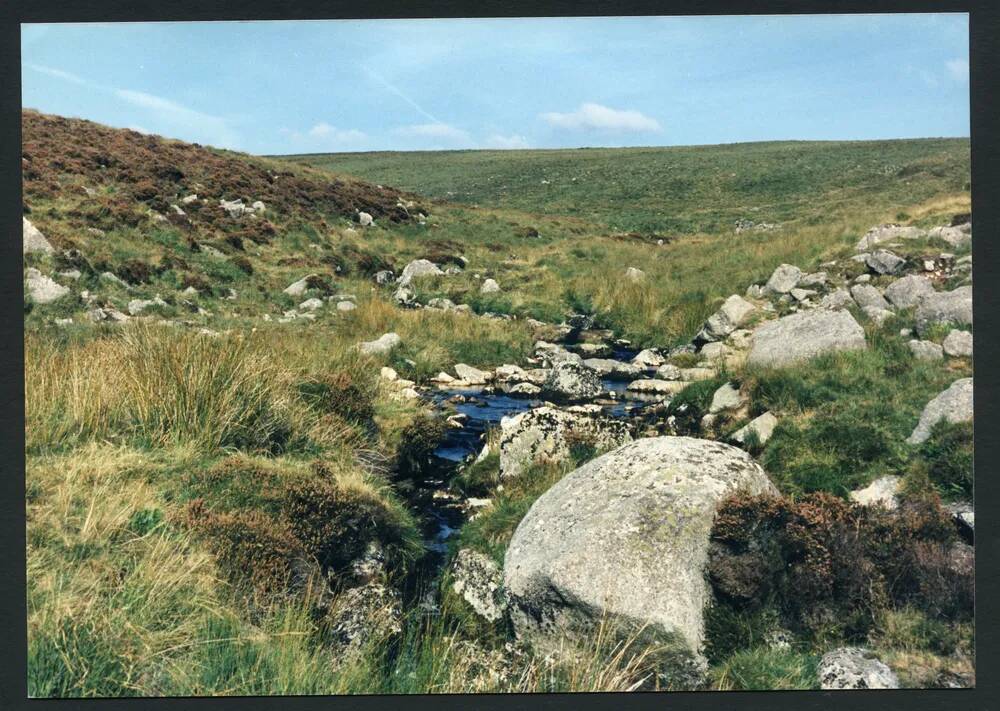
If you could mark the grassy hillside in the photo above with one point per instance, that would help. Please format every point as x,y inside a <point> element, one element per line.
<point>202,480</point>
<point>682,190</point>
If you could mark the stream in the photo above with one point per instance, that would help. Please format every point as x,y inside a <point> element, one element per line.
<point>484,408</point>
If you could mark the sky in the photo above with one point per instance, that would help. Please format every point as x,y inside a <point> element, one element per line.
<point>361,85</point>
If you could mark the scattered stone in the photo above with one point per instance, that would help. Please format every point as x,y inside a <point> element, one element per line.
<point>528,390</point>
<point>472,376</point>
<point>405,296</point>
<point>867,296</point>
<point>836,299</point>
<point>881,491</point>
<point>299,287</point>
<point>648,358</point>
<point>441,304</point>
<point>613,369</point>
<point>862,278</point>
<point>907,292</point>
<point>925,350</point>
<point>189,199</point>
<point>235,208</point>
<point>814,279</point>
<point>346,306</point>
<point>954,307</point>
<point>697,373</point>
<point>727,397</point>
<point>754,291</point>
<point>387,373</point>
<point>952,405</point>
<point>714,351</point>
<point>955,236</point>
<point>73,274</point>
<point>657,387</point>
<point>442,378</point>
<point>32,240</point>
<point>763,426</point>
<point>489,286</point>
<point>365,219</point>
<point>734,313</point>
<point>624,539</point>
<point>785,278</point>
<point>801,294</point>
<point>479,581</point>
<point>418,269</point>
<point>311,304</point>
<point>668,371</point>
<point>887,233</point>
<point>633,274</point>
<point>137,306</point>
<point>854,668</point>
<point>571,382</point>
<point>547,434</point>
<point>42,289</point>
<point>106,314</point>
<point>804,335</point>
<point>384,277</point>
<point>885,262</point>
<point>383,344</point>
<point>877,315</point>
<point>958,344</point>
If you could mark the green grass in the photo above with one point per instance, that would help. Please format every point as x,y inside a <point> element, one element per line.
<point>765,669</point>
<point>680,190</point>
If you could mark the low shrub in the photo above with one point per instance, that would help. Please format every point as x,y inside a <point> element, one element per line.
<point>946,458</point>
<point>830,567</point>
<point>346,393</point>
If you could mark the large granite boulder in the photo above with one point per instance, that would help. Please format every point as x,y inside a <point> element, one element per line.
<point>547,434</point>
<point>804,335</point>
<point>418,269</point>
<point>623,541</point>
<point>785,278</point>
<point>908,291</point>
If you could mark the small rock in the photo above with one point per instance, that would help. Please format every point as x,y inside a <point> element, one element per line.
<point>311,304</point>
<point>479,581</point>
<point>633,274</point>
<point>954,307</point>
<point>473,376</point>
<point>727,397</point>
<point>42,289</point>
<point>657,387</point>
<point>854,668</point>
<point>734,313</point>
<point>489,286</point>
<point>763,425</point>
<point>299,287</point>
<point>714,351</point>
<point>885,262</point>
<point>907,292</point>
<point>346,306</point>
<point>383,344</point>
<point>952,405</point>
<point>958,344</point>
<point>785,278</point>
<point>365,219</point>
<point>32,240</point>
<point>836,299</point>
<point>418,269</point>
<point>881,491</point>
<point>867,296</point>
<point>648,358</point>
<point>925,350</point>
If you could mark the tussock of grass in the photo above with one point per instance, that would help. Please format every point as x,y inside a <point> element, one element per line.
<point>764,669</point>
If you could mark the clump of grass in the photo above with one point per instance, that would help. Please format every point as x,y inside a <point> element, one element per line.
<point>764,669</point>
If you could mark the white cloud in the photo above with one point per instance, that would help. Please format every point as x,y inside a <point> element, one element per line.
<point>333,134</point>
<point>958,68</point>
<point>513,141</point>
<point>434,130</point>
<point>595,117</point>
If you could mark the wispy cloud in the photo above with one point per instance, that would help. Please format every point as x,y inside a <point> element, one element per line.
<point>595,117</point>
<point>513,141</point>
<point>181,120</point>
<point>958,69</point>
<point>325,136</point>
<point>399,92</point>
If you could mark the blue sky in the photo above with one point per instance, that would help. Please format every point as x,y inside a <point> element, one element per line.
<point>292,87</point>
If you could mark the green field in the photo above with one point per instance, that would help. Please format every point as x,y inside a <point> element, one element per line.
<point>682,190</point>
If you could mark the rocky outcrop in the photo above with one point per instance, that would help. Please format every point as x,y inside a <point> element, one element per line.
<point>624,539</point>
<point>613,369</point>
<point>854,668</point>
<point>887,233</point>
<point>952,405</point>
<point>804,335</point>
<point>547,434</point>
